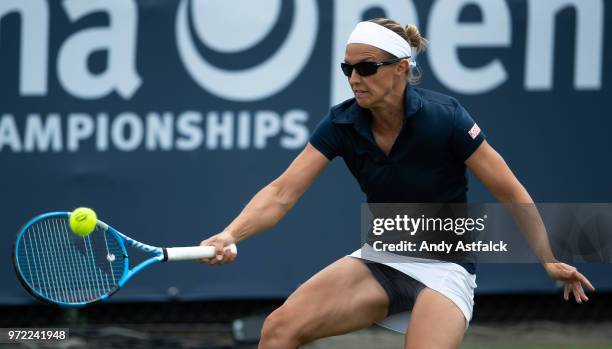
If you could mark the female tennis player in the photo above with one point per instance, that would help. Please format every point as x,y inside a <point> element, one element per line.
<point>402,144</point>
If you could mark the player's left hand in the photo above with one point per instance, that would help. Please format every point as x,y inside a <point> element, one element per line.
<point>572,279</point>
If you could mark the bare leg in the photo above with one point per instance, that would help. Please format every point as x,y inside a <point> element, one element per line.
<point>436,322</point>
<point>341,298</point>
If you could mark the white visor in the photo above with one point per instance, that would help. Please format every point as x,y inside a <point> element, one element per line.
<point>370,33</point>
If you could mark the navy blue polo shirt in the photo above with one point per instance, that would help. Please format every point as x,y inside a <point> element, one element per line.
<point>426,162</point>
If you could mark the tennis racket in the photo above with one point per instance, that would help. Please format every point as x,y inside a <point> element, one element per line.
<point>59,267</point>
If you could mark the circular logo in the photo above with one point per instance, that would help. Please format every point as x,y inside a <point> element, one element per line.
<point>212,21</point>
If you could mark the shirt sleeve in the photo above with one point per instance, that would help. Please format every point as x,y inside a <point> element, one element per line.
<point>467,135</point>
<point>327,138</point>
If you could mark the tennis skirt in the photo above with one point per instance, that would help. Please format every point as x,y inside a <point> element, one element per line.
<point>450,279</point>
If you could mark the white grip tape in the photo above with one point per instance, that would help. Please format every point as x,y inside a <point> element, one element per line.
<point>195,252</point>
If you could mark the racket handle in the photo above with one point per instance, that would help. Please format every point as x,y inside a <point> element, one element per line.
<point>192,253</point>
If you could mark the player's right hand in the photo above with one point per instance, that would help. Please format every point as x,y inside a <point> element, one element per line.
<point>222,255</point>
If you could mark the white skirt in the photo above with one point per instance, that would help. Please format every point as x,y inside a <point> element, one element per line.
<point>450,279</point>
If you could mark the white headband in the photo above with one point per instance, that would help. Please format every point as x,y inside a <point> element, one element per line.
<point>370,33</point>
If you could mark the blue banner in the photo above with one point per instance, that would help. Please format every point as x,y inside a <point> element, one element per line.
<point>166,117</point>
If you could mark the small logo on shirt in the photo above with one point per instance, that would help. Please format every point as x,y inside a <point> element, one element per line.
<point>474,132</point>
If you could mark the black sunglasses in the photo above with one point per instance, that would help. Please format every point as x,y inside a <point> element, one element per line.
<point>366,68</point>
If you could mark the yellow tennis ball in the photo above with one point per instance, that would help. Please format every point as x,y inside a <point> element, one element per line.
<point>83,221</point>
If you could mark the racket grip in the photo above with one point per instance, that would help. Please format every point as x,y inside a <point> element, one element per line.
<point>195,252</point>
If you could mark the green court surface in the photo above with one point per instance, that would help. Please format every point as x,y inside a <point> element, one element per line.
<point>528,335</point>
<point>538,347</point>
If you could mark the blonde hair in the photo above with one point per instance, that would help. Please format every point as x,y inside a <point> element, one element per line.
<point>411,34</point>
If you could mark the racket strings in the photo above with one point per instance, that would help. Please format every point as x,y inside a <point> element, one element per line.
<point>64,267</point>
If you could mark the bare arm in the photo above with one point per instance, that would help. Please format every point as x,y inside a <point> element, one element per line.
<point>495,174</point>
<point>270,204</point>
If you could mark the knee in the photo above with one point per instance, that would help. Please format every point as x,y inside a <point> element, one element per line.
<point>280,331</point>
